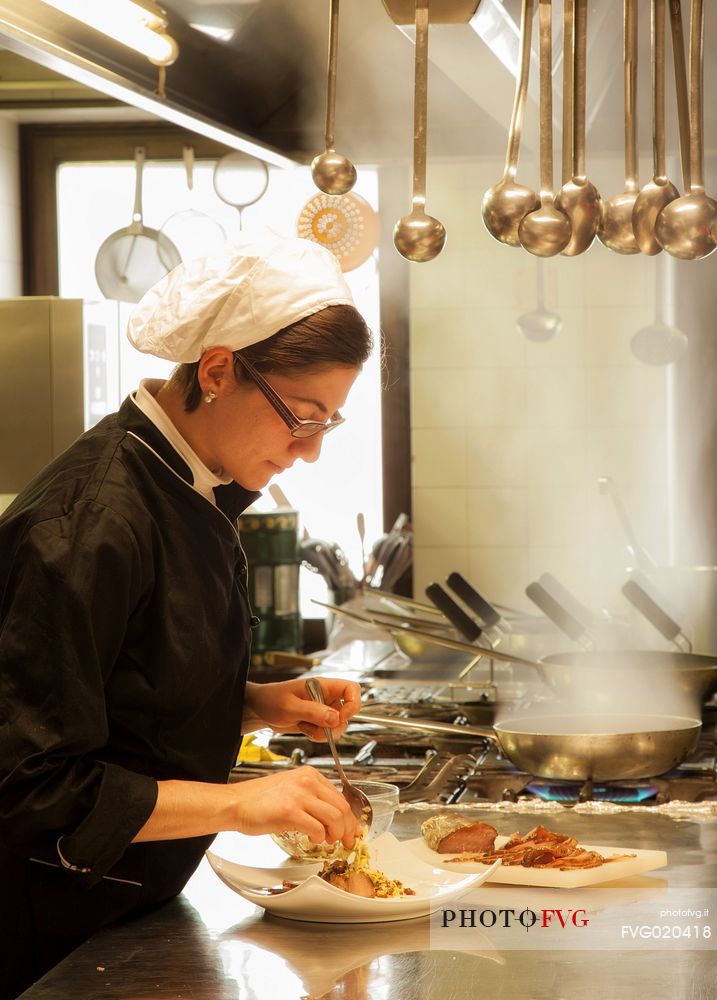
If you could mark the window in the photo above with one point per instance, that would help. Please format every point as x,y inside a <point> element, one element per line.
<point>95,199</point>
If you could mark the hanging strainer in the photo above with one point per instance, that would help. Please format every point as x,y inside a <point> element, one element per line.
<point>240,180</point>
<point>133,259</point>
<point>344,224</point>
<point>193,233</point>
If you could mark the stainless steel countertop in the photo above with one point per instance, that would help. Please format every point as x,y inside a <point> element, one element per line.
<point>210,944</point>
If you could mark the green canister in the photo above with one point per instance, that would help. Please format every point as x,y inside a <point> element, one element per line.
<point>271,544</point>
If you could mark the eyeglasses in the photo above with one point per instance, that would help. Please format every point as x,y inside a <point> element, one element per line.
<point>299,428</point>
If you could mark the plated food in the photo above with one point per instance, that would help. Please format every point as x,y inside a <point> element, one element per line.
<point>353,873</point>
<point>538,848</point>
<point>319,900</point>
<point>537,857</point>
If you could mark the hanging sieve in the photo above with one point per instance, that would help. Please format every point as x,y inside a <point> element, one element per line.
<point>345,224</point>
<point>240,180</point>
<point>133,259</point>
<point>193,233</point>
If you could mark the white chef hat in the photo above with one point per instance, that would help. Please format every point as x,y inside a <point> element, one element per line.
<point>235,298</point>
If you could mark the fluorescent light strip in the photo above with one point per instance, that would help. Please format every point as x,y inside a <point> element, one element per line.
<point>125,22</point>
<point>42,50</point>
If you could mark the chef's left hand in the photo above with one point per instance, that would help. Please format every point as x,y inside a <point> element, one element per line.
<point>287,708</point>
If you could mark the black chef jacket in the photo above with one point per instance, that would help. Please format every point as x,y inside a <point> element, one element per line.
<point>124,648</point>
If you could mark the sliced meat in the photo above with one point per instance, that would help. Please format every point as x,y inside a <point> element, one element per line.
<point>360,885</point>
<point>340,881</point>
<point>476,838</point>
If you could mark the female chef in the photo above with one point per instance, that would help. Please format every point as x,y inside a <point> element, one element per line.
<point>124,620</point>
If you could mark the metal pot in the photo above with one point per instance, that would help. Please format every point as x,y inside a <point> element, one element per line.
<point>577,748</point>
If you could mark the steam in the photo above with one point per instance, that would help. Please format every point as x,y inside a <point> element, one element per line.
<point>628,691</point>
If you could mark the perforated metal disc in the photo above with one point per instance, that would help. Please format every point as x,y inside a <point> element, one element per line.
<point>344,224</point>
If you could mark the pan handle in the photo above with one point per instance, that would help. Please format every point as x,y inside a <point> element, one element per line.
<point>566,622</point>
<point>561,594</point>
<point>472,599</point>
<point>426,726</point>
<point>656,616</point>
<point>455,615</point>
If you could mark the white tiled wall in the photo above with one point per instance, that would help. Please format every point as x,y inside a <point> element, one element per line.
<point>510,436</point>
<point>10,246</point>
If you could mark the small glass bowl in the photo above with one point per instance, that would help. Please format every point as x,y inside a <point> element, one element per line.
<point>384,802</point>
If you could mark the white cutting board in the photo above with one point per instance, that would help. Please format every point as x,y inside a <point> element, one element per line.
<point>644,861</point>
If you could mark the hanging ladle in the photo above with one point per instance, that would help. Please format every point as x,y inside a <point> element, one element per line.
<point>545,231</point>
<point>418,236</point>
<point>660,343</point>
<point>684,227</point>
<point>540,324</point>
<point>615,231</point>
<point>332,173</point>
<point>507,203</point>
<point>578,198</point>
<point>659,191</point>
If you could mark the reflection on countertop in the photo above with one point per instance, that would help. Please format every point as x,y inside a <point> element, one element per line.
<point>210,944</point>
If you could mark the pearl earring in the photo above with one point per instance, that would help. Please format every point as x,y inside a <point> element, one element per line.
<point>210,396</point>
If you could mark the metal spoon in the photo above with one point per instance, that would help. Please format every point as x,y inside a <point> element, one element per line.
<point>507,203</point>
<point>358,802</point>
<point>540,324</point>
<point>615,231</point>
<point>332,173</point>
<point>659,191</point>
<point>418,236</point>
<point>545,231</point>
<point>684,227</point>
<point>578,198</point>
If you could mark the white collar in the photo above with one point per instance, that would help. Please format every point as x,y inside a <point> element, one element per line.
<point>204,480</point>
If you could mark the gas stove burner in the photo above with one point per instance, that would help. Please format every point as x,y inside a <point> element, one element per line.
<point>569,794</point>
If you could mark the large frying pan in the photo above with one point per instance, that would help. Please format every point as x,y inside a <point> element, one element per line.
<point>574,747</point>
<point>693,675</point>
<point>690,675</point>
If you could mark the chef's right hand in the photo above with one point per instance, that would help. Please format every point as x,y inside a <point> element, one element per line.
<point>301,799</point>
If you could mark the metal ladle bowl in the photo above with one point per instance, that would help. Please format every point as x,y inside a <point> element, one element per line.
<point>419,237</point>
<point>333,173</point>
<point>546,231</point>
<point>507,203</point>
<point>658,344</point>
<point>660,191</point>
<point>684,228</point>
<point>652,199</point>
<point>540,325</point>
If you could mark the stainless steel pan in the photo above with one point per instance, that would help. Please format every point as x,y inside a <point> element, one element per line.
<point>690,675</point>
<point>576,748</point>
<point>694,675</point>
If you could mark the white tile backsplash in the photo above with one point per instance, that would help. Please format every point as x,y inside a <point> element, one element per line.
<point>512,450</point>
<point>498,516</point>
<point>439,457</point>
<point>441,514</point>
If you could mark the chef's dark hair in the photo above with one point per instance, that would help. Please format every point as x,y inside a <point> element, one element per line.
<point>334,336</point>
